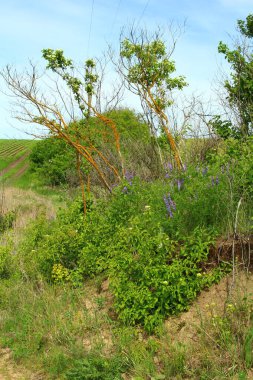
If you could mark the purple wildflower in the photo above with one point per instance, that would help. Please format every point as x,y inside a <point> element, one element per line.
<point>215,181</point>
<point>173,204</point>
<point>129,176</point>
<point>167,175</point>
<point>180,183</point>
<point>125,190</point>
<point>169,166</point>
<point>205,170</point>
<point>184,167</point>
<point>169,204</point>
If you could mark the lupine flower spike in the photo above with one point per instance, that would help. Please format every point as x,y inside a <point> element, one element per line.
<point>169,204</point>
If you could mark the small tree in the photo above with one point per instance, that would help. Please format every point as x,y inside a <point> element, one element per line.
<point>57,111</point>
<point>147,69</point>
<point>239,88</point>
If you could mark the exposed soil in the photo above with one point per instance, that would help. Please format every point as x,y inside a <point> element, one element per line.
<point>238,248</point>
<point>184,328</point>
<point>10,371</point>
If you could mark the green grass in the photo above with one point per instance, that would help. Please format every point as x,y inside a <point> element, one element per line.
<point>12,172</point>
<point>7,143</point>
<point>12,150</point>
<point>69,334</point>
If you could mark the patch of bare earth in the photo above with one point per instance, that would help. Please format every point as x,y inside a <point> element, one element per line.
<point>97,306</point>
<point>184,328</point>
<point>10,371</point>
<point>197,325</point>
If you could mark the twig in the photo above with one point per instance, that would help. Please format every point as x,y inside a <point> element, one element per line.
<point>233,245</point>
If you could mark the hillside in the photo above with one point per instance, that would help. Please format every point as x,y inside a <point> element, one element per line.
<point>69,327</point>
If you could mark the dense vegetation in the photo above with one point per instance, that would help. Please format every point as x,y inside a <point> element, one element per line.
<point>152,239</point>
<point>143,232</point>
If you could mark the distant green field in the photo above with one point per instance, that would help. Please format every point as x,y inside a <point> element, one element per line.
<point>11,150</point>
<point>14,159</point>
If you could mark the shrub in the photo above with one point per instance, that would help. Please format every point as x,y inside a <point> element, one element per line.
<point>152,276</point>
<point>50,245</point>
<point>53,162</point>
<point>96,368</point>
<point>152,239</point>
<point>5,261</point>
<point>7,220</point>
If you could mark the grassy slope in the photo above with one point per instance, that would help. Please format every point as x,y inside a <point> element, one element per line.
<point>61,329</point>
<point>11,151</point>
<point>54,330</point>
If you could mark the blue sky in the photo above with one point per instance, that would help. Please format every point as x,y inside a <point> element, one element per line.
<point>84,28</point>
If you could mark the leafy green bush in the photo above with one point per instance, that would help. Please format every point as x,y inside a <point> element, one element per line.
<point>5,261</point>
<point>152,276</point>
<point>156,258</point>
<point>237,166</point>
<point>151,239</point>
<point>53,162</point>
<point>48,244</point>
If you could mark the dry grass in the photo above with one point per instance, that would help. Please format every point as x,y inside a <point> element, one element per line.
<point>28,203</point>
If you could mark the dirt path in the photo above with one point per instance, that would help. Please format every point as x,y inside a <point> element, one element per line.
<point>14,164</point>
<point>21,171</point>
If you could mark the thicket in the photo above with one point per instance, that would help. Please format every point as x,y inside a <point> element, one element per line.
<point>154,240</point>
<point>54,162</point>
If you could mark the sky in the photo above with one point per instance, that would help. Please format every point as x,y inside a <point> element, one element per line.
<point>84,28</point>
